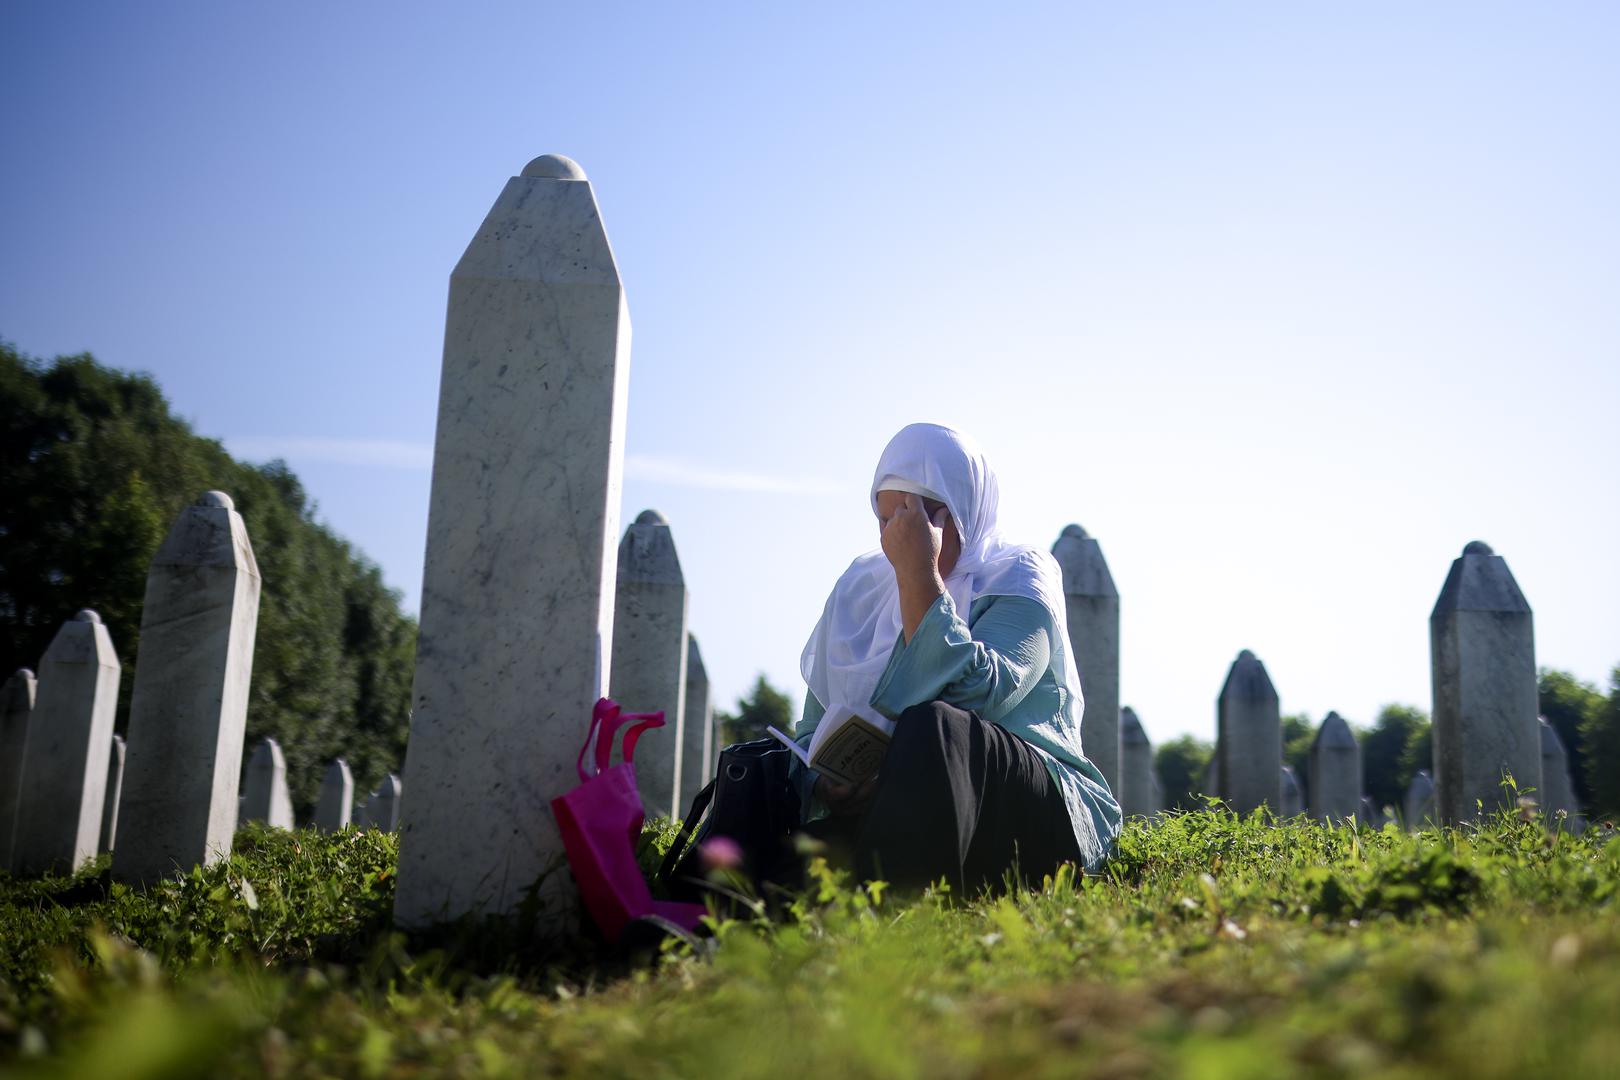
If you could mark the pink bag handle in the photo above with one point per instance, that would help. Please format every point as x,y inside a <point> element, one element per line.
<point>631,737</point>
<point>605,720</point>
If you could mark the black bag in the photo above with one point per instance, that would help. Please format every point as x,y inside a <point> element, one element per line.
<point>750,801</point>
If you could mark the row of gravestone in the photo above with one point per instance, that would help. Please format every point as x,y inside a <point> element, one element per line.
<point>1486,726</point>
<point>175,784</point>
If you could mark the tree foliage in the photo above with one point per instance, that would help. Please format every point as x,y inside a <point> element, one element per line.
<point>97,467</point>
<point>765,706</point>
<point>1600,738</point>
<point>1180,764</point>
<point>1571,706</point>
<point>1392,751</point>
<point>1298,732</point>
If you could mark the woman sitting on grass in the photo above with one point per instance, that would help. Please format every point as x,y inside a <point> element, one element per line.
<point>958,635</point>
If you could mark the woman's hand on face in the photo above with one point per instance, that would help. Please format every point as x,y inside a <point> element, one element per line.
<point>845,800</point>
<point>912,542</point>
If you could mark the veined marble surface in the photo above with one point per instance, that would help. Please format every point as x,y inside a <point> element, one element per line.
<point>64,781</point>
<point>1483,668</point>
<point>188,710</point>
<point>517,590</point>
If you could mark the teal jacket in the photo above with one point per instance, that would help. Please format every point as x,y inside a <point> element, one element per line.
<point>998,664</point>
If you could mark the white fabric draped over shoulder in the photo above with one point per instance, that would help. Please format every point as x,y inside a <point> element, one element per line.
<point>850,646</point>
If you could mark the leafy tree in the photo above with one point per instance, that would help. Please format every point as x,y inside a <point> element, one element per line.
<point>1297,735</point>
<point>97,467</point>
<point>1181,763</point>
<point>1570,705</point>
<point>1392,751</point>
<point>765,706</point>
<point>1600,736</point>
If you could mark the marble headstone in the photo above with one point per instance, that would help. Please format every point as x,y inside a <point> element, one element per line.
<point>1417,808</point>
<point>695,760</point>
<point>1135,791</point>
<point>382,809</point>
<point>16,706</point>
<point>1249,737</point>
<point>1091,604</point>
<point>188,710</point>
<point>1557,788</point>
<point>649,655</point>
<point>1483,666</point>
<point>115,789</point>
<point>517,593</point>
<point>334,810</point>
<point>1335,771</point>
<point>64,781</point>
<point>1293,800</point>
<point>265,796</point>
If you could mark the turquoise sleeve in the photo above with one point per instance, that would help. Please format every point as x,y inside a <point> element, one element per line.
<point>988,670</point>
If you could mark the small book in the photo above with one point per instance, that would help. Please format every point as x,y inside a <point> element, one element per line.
<point>848,745</point>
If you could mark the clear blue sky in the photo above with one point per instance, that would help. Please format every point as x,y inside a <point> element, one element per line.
<point>1283,302</point>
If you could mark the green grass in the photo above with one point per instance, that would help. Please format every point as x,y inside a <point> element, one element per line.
<point>1213,947</point>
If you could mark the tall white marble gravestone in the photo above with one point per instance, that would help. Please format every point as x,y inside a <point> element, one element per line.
<point>1483,665</point>
<point>1557,787</point>
<point>1091,604</point>
<point>335,808</point>
<point>265,796</point>
<point>695,763</point>
<point>1248,741</point>
<point>517,591</point>
<point>649,655</point>
<point>64,781</point>
<point>188,709</point>
<point>1135,791</point>
<point>1335,771</point>
<point>16,707</point>
<point>115,790</point>
<point>1293,799</point>
<point>383,808</point>
<point>1417,807</point>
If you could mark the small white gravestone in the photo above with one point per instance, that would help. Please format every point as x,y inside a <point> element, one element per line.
<point>1293,800</point>
<point>1335,771</point>
<point>64,782</point>
<point>1091,608</point>
<point>696,763</point>
<point>16,707</point>
<point>517,585</point>
<point>335,809</point>
<point>649,654</point>
<point>382,809</point>
<point>115,788</point>
<point>265,795</point>
<point>1417,808</point>
<point>1248,741</point>
<point>188,709</point>
<point>1135,791</point>
<point>1483,666</point>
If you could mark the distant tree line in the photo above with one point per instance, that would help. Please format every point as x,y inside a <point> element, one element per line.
<point>96,468</point>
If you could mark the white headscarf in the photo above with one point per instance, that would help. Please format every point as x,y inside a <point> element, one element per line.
<point>850,646</point>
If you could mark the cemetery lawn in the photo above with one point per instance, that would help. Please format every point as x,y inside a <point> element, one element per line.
<point>1212,947</point>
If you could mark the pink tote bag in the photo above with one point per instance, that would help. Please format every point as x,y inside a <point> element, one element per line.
<point>601,822</point>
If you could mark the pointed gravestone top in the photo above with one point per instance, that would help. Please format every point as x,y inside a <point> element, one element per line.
<point>1479,581</point>
<point>216,499</point>
<point>1131,732</point>
<point>647,553</point>
<point>23,673</point>
<point>1085,571</point>
<point>1247,680</point>
<point>1335,734</point>
<point>553,167</point>
<point>87,616</point>
<point>694,660</point>
<point>1550,742</point>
